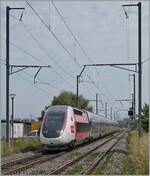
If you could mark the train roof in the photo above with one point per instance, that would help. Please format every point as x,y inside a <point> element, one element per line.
<point>92,117</point>
<point>99,118</point>
<point>65,106</point>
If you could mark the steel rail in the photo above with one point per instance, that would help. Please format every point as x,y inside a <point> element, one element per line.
<point>30,163</point>
<point>70,163</point>
<point>19,160</point>
<point>102,156</point>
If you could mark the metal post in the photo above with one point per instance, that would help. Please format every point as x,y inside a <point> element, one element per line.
<point>7,74</point>
<point>12,117</point>
<point>111,113</point>
<point>134,109</point>
<point>114,115</point>
<point>133,105</point>
<point>106,109</point>
<point>77,98</point>
<point>7,69</point>
<point>96,103</point>
<point>140,65</point>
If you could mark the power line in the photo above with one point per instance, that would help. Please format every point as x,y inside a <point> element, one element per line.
<point>45,51</point>
<point>35,58</point>
<point>51,56</point>
<point>42,90</point>
<point>147,59</point>
<point>55,36</point>
<point>41,81</point>
<point>80,46</point>
<point>24,51</point>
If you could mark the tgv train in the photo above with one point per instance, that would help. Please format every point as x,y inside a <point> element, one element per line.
<point>68,126</point>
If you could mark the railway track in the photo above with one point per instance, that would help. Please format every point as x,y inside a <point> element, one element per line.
<point>64,167</point>
<point>24,163</point>
<point>100,157</point>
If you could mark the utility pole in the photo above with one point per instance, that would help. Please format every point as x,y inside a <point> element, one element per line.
<point>77,97</point>
<point>134,110</point>
<point>114,115</point>
<point>111,113</point>
<point>7,69</point>
<point>96,100</point>
<point>78,81</point>
<point>97,103</point>
<point>139,64</point>
<point>133,106</point>
<point>12,115</point>
<point>134,97</point>
<point>7,73</point>
<point>106,109</point>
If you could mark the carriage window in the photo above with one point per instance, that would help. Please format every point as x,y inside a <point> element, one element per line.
<point>77,112</point>
<point>82,127</point>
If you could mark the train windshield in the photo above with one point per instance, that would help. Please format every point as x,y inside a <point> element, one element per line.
<point>53,122</point>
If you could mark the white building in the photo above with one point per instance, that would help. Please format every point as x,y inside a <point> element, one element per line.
<point>20,129</point>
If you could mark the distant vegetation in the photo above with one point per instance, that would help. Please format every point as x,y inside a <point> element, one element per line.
<point>19,145</point>
<point>69,98</point>
<point>145,120</point>
<point>137,161</point>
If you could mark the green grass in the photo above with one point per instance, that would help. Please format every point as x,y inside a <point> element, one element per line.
<point>74,170</point>
<point>137,161</point>
<point>19,145</point>
<point>92,156</point>
<point>75,153</point>
<point>98,171</point>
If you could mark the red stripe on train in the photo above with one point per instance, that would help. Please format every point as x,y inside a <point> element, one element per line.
<point>81,135</point>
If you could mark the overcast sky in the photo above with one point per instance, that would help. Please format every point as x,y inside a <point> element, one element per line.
<point>101,29</point>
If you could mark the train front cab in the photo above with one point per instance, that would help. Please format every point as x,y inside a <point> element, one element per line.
<point>58,127</point>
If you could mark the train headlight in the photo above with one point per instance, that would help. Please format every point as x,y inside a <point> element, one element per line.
<point>59,132</point>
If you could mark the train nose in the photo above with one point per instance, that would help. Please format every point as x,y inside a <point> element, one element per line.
<point>47,133</point>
